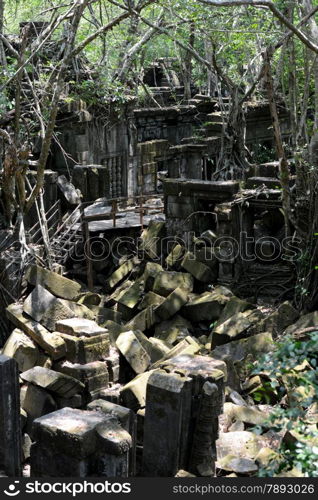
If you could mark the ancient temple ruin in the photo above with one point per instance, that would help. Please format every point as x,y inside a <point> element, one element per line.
<point>127,327</point>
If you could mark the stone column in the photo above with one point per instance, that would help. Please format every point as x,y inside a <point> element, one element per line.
<point>10,428</point>
<point>183,402</point>
<point>78,443</point>
<point>165,431</point>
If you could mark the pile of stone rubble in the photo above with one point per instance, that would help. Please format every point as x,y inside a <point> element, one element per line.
<point>150,378</point>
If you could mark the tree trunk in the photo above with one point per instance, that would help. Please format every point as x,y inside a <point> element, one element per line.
<point>283,163</point>
<point>313,29</point>
<point>211,78</point>
<point>3,61</point>
<point>54,105</point>
<point>292,82</point>
<point>187,66</point>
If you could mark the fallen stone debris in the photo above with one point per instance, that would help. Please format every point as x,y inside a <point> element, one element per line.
<point>159,351</point>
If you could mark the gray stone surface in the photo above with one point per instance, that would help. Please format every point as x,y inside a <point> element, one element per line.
<point>167,395</point>
<point>130,347</point>
<point>10,423</point>
<point>172,304</point>
<point>20,347</point>
<point>80,327</point>
<point>58,383</point>
<point>77,443</point>
<point>167,281</point>
<point>52,343</point>
<point>55,283</point>
<point>37,302</point>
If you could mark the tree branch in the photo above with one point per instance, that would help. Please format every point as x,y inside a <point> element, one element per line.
<point>272,7</point>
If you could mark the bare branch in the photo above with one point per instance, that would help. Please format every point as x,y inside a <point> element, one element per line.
<point>272,7</point>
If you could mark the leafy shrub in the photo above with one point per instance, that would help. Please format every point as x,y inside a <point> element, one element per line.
<point>292,371</point>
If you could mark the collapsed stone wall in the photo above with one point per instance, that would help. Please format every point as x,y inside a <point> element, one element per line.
<point>153,353</point>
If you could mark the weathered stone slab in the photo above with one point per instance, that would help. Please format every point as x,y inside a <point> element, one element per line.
<point>143,320</point>
<point>120,273</point>
<point>158,348</point>
<point>175,257</point>
<point>173,329</point>
<point>133,394</point>
<point>188,346</point>
<point>130,347</point>
<point>232,307</point>
<point>127,302</point>
<point>118,291</point>
<point>167,394</point>
<point>172,304</point>
<point>104,314</point>
<point>199,271</point>
<point>231,463</point>
<point>88,442</point>
<point>242,444</point>
<point>114,329</point>
<point>200,418</point>
<point>80,327</point>
<point>207,307</point>
<point>90,299</point>
<point>56,312</point>
<point>167,281</point>
<point>53,381</point>
<point>79,310</point>
<point>50,342</point>
<point>10,423</point>
<point>69,431</point>
<point>37,402</point>
<point>93,375</point>
<point>232,329</point>
<point>132,296</point>
<point>245,414</point>
<point>238,350</point>
<point>114,439</point>
<point>279,320</point>
<point>53,282</point>
<point>235,327</point>
<point>86,349</point>
<point>152,269</point>
<point>196,366</point>
<point>21,348</point>
<point>76,401</point>
<point>46,462</point>
<point>150,239</point>
<point>59,309</point>
<point>37,303</point>
<point>128,422</point>
<point>151,299</point>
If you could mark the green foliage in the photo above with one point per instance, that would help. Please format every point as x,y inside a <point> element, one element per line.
<point>292,371</point>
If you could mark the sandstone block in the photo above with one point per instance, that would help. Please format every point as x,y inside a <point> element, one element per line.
<point>52,343</point>
<point>199,271</point>
<point>37,303</point>
<point>58,383</point>
<point>80,327</point>
<point>172,304</point>
<point>167,281</point>
<point>55,283</point>
<point>86,349</point>
<point>93,375</point>
<point>20,347</point>
<point>143,320</point>
<point>152,269</point>
<point>130,347</point>
<point>120,274</point>
<point>133,394</point>
<point>206,307</point>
